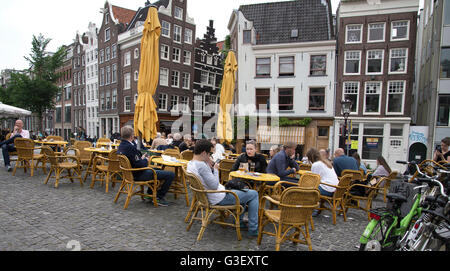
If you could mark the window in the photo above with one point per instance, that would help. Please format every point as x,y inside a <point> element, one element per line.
<point>352,62</point>
<point>318,65</point>
<point>323,131</point>
<point>107,34</point>
<point>372,99</point>
<point>58,114</point>
<point>127,103</point>
<point>178,14</point>
<point>113,51</point>
<point>102,76</point>
<point>375,62</point>
<point>67,114</point>
<point>174,102</point>
<point>102,56</point>
<point>445,60</point>
<point>287,66</point>
<point>263,67</point>
<point>108,53</point>
<point>396,94</point>
<point>184,104</point>
<point>136,53</point>
<point>136,76</point>
<point>164,77</point>
<point>351,92</point>
<point>127,59</point>
<point>396,130</point>
<point>398,60</point>
<point>376,32</point>
<point>209,59</point>
<point>114,73</point>
<point>198,103</point>
<point>187,57</point>
<point>165,29</point>
<point>285,99</point>
<point>175,79</point>
<point>247,36</point>
<point>262,99</point>
<point>164,52</point>
<point>372,142</point>
<point>114,99</point>
<point>176,55</point>
<point>399,30</point>
<point>127,81</point>
<point>317,99</point>
<point>108,75</point>
<point>177,33</point>
<point>211,79</point>
<point>354,34</point>
<point>443,111</point>
<point>108,100</point>
<point>188,35</point>
<point>204,77</point>
<point>186,80</point>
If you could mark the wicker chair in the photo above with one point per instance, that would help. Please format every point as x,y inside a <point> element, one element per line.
<point>207,210</point>
<point>357,175</point>
<point>26,156</point>
<point>295,210</point>
<point>187,155</point>
<point>129,186</point>
<point>58,163</point>
<point>107,169</point>
<point>338,198</point>
<point>306,167</point>
<point>225,166</point>
<point>84,156</point>
<point>54,138</point>
<point>354,201</point>
<point>308,180</point>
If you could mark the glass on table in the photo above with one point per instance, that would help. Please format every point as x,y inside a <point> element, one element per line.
<point>243,167</point>
<point>252,167</point>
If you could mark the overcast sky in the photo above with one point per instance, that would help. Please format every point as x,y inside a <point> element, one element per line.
<point>60,19</point>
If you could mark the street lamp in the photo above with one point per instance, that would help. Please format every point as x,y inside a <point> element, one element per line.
<point>346,108</point>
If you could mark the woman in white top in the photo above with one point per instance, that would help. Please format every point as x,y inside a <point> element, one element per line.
<point>325,170</point>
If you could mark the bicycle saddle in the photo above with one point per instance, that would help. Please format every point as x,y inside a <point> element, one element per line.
<point>396,197</point>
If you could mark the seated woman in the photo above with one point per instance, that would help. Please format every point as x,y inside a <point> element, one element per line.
<point>358,161</point>
<point>250,156</point>
<point>202,166</point>
<point>273,150</point>
<point>324,168</point>
<point>383,169</point>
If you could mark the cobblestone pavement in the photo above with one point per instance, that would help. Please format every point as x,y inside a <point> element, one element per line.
<point>34,216</point>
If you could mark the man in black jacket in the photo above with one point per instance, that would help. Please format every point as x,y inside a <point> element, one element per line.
<point>137,160</point>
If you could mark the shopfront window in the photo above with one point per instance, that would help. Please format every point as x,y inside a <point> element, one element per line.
<point>372,142</point>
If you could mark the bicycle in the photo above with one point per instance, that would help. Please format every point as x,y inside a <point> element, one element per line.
<point>432,229</point>
<point>387,225</point>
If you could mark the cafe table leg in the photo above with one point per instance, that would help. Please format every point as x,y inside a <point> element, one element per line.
<point>88,169</point>
<point>183,179</point>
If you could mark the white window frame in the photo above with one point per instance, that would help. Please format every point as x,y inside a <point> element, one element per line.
<point>175,108</point>
<point>407,30</point>
<point>345,62</point>
<point>379,101</point>
<point>185,57</point>
<point>127,81</point>
<point>188,80</point>
<point>165,99</point>
<point>125,104</point>
<point>175,13</point>
<point>106,36</point>
<point>368,32</point>
<point>136,76</point>
<point>176,57</point>
<point>406,61</point>
<point>164,25</point>
<point>175,33</point>
<point>188,33</point>
<point>358,91</point>
<point>127,59</point>
<point>178,79</point>
<point>403,97</point>
<point>367,62</point>
<point>164,82</point>
<point>165,52</point>
<point>136,53</point>
<point>360,36</point>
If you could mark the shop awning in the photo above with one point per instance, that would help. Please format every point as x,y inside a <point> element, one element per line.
<point>282,135</point>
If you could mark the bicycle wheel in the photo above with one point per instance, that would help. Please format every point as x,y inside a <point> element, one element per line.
<point>378,238</point>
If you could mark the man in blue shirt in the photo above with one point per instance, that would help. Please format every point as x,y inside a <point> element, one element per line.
<point>137,160</point>
<point>281,161</point>
<point>342,162</point>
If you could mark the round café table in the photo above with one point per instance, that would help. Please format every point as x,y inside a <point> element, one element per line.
<point>178,186</point>
<point>52,143</point>
<point>260,179</point>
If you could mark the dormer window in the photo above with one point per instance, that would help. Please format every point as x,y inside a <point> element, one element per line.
<point>178,14</point>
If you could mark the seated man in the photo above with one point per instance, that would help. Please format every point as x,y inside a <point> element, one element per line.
<point>202,166</point>
<point>281,161</point>
<point>137,160</point>
<point>187,144</point>
<point>342,162</point>
<point>8,145</point>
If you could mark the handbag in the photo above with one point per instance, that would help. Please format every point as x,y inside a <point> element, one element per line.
<point>236,184</point>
